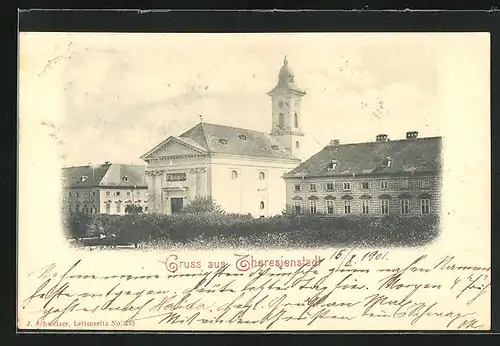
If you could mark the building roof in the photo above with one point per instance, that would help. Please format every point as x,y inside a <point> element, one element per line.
<point>237,141</point>
<point>108,174</point>
<point>410,155</point>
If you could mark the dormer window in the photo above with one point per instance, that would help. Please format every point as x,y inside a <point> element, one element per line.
<point>223,141</point>
<point>387,162</point>
<point>332,165</point>
<point>125,178</point>
<point>274,147</point>
<point>83,178</point>
<point>243,137</point>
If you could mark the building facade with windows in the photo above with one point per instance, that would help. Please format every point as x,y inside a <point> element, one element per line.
<point>377,178</point>
<point>241,169</point>
<point>104,189</point>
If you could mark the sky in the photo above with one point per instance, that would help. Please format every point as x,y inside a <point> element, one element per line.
<point>113,97</point>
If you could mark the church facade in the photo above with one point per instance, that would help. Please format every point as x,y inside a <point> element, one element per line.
<point>241,169</point>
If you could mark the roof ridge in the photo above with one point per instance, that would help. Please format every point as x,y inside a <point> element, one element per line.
<point>204,138</point>
<point>234,127</point>
<point>379,142</point>
<point>82,166</point>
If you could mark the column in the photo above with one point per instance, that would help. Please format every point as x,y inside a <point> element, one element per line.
<point>158,191</point>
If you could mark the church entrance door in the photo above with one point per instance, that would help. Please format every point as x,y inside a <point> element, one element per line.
<point>176,204</point>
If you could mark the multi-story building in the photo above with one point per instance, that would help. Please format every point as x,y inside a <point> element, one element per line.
<point>104,189</point>
<point>375,178</point>
<point>240,169</point>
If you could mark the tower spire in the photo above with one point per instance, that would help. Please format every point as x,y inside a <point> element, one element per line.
<point>286,99</point>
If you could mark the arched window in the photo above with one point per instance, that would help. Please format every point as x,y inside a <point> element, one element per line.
<point>234,174</point>
<point>297,144</point>
<point>295,120</point>
<point>262,205</point>
<point>262,176</point>
<point>281,122</point>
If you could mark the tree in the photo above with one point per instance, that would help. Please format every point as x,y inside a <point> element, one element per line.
<point>133,209</point>
<point>203,205</point>
<point>76,224</point>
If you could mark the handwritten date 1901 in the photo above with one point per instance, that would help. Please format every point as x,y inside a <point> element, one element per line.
<point>369,256</point>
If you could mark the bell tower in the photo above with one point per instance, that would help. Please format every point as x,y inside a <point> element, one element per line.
<point>286,113</point>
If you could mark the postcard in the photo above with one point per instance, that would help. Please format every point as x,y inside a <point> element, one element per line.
<point>254,182</point>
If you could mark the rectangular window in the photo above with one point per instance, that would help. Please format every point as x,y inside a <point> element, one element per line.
<point>313,207</point>
<point>424,183</point>
<point>137,192</point>
<point>297,188</point>
<point>85,194</point>
<point>108,193</point>
<point>296,207</point>
<point>312,187</point>
<point>365,206</point>
<point>329,186</point>
<point>176,177</point>
<point>93,193</point>
<point>76,194</point>
<point>347,186</point>
<point>118,208</point>
<point>146,193</point>
<point>403,183</point>
<point>329,206</point>
<point>384,184</point>
<point>108,208</point>
<point>117,193</point>
<point>405,206</point>
<point>425,206</point>
<point>128,193</point>
<point>69,194</point>
<point>385,206</point>
<point>364,185</point>
<point>347,207</point>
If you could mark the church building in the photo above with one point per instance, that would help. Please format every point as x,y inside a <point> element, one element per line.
<point>241,169</point>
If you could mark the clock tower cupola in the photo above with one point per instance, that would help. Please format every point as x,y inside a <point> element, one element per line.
<point>286,110</point>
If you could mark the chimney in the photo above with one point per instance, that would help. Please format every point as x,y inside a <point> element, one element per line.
<point>106,163</point>
<point>381,138</point>
<point>334,142</point>
<point>411,134</point>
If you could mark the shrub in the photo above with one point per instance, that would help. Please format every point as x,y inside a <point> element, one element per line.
<point>202,205</point>
<point>221,230</point>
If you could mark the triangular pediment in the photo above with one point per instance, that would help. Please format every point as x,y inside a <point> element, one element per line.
<point>173,146</point>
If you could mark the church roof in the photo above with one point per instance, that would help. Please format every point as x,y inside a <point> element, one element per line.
<point>108,174</point>
<point>236,141</point>
<point>286,80</point>
<point>386,157</point>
